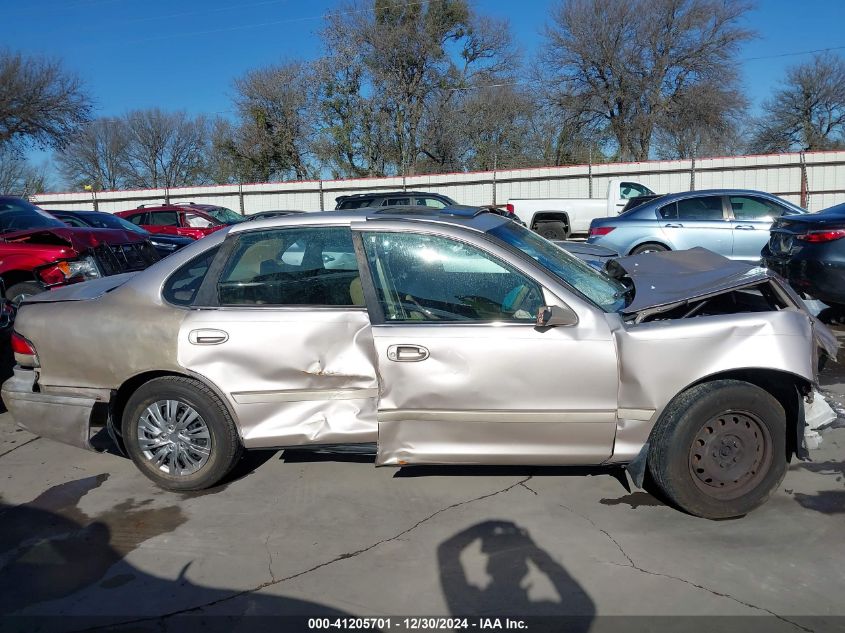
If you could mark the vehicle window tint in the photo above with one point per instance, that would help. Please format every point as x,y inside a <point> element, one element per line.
<point>391,202</point>
<point>628,190</point>
<point>294,266</point>
<point>138,218</point>
<point>752,208</point>
<point>182,286</point>
<point>669,212</point>
<point>434,203</point>
<point>71,221</point>
<point>704,208</point>
<point>429,278</point>
<point>164,218</point>
<point>197,221</point>
<point>357,203</point>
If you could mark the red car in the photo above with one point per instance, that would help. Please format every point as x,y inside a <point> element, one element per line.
<point>39,252</point>
<point>189,220</point>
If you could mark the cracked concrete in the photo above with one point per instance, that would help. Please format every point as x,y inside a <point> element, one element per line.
<point>334,535</point>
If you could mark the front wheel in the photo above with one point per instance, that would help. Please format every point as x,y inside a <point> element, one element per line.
<point>719,449</point>
<point>20,291</point>
<point>180,434</point>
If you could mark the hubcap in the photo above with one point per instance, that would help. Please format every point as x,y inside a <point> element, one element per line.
<point>174,437</point>
<point>730,455</point>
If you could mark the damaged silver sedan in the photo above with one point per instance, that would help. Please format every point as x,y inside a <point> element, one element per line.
<point>448,336</point>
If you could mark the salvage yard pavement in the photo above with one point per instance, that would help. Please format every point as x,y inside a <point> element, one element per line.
<point>300,533</point>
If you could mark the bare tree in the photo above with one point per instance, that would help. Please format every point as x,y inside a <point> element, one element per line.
<point>97,155</point>
<point>706,119</point>
<point>40,102</point>
<point>807,111</point>
<point>18,177</point>
<point>275,124</point>
<point>165,149</point>
<point>623,65</point>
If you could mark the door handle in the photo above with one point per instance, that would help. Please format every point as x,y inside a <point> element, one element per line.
<point>407,353</point>
<point>673,226</point>
<point>207,337</point>
<point>744,227</point>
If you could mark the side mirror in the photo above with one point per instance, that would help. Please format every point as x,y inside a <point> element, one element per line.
<point>551,316</point>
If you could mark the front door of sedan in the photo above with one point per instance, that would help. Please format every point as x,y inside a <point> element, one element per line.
<point>697,221</point>
<point>752,217</point>
<point>466,376</point>
<point>280,327</point>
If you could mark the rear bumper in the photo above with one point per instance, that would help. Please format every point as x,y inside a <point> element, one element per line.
<point>823,280</point>
<point>66,419</point>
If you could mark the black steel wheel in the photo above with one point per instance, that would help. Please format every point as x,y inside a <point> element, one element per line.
<point>719,449</point>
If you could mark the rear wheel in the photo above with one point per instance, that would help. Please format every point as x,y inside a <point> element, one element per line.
<point>20,291</point>
<point>556,230</point>
<point>179,434</point>
<point>651,247</point>
<point>719,450</point>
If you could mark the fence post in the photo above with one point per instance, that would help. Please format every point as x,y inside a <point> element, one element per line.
<point>590,172</point>
<point>692,173</point>
<point>805,185</point>
<point>495,166</point>
<point>322,204</point>
<point>166,194</point>
<point>241,197</point>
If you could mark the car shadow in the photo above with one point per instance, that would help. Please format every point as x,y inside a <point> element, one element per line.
<point>496,568</point>
<point>52,550</point>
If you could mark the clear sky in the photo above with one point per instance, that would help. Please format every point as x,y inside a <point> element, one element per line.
<point>184,54</point>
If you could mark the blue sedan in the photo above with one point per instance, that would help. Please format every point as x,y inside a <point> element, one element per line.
<point>731,222</point>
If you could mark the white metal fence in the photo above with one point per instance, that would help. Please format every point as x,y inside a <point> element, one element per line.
<point>781,174</point>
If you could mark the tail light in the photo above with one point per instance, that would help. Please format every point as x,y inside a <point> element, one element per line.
<point>509,208</point>
<point>822,236</point>
<point>598,231</point>
<point>25,354</point>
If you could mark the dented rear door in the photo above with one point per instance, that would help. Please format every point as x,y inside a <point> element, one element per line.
<point>286,338</point>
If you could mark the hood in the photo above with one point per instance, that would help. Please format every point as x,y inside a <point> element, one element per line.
<point>669,277</point>
<point>675,277</point>
<point>82,291</point>
<point>80,239</point>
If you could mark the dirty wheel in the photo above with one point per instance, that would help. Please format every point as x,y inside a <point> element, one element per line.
<point>20,291</point>
<point>553,230</point>
<point>179,434</point>
<point>719,449</point>
<point>649,248</point>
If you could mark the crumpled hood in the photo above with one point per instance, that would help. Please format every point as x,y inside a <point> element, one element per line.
<point>81,239</point>
<point>672,276</point>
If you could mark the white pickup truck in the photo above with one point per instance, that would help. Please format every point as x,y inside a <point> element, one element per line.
<point>558,218</point>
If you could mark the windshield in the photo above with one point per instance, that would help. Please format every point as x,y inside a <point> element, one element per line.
<point>19,215</point>
<point>600,288</point>
<point>222,214</point>
<point>108,221</point>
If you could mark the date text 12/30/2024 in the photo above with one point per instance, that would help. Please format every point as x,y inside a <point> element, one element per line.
<point>417,624</point>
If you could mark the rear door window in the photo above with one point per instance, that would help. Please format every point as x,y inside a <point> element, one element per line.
<point>705,208</point>
<point>164,218</point>
<point>138,218</point>
<point>314,266</point>
<point>182,286</point>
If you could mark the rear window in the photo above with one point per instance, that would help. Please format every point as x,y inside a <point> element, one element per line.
<point>182,286</point>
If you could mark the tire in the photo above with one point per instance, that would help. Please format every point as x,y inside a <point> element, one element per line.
<point>553,230</point>
<point>210,446</point>
<point>710,434</point>
<point>19,291</point>
<point>650,247</point>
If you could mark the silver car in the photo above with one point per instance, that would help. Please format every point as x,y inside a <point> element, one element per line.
<point>446,337</point>
<point>731,222</point>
